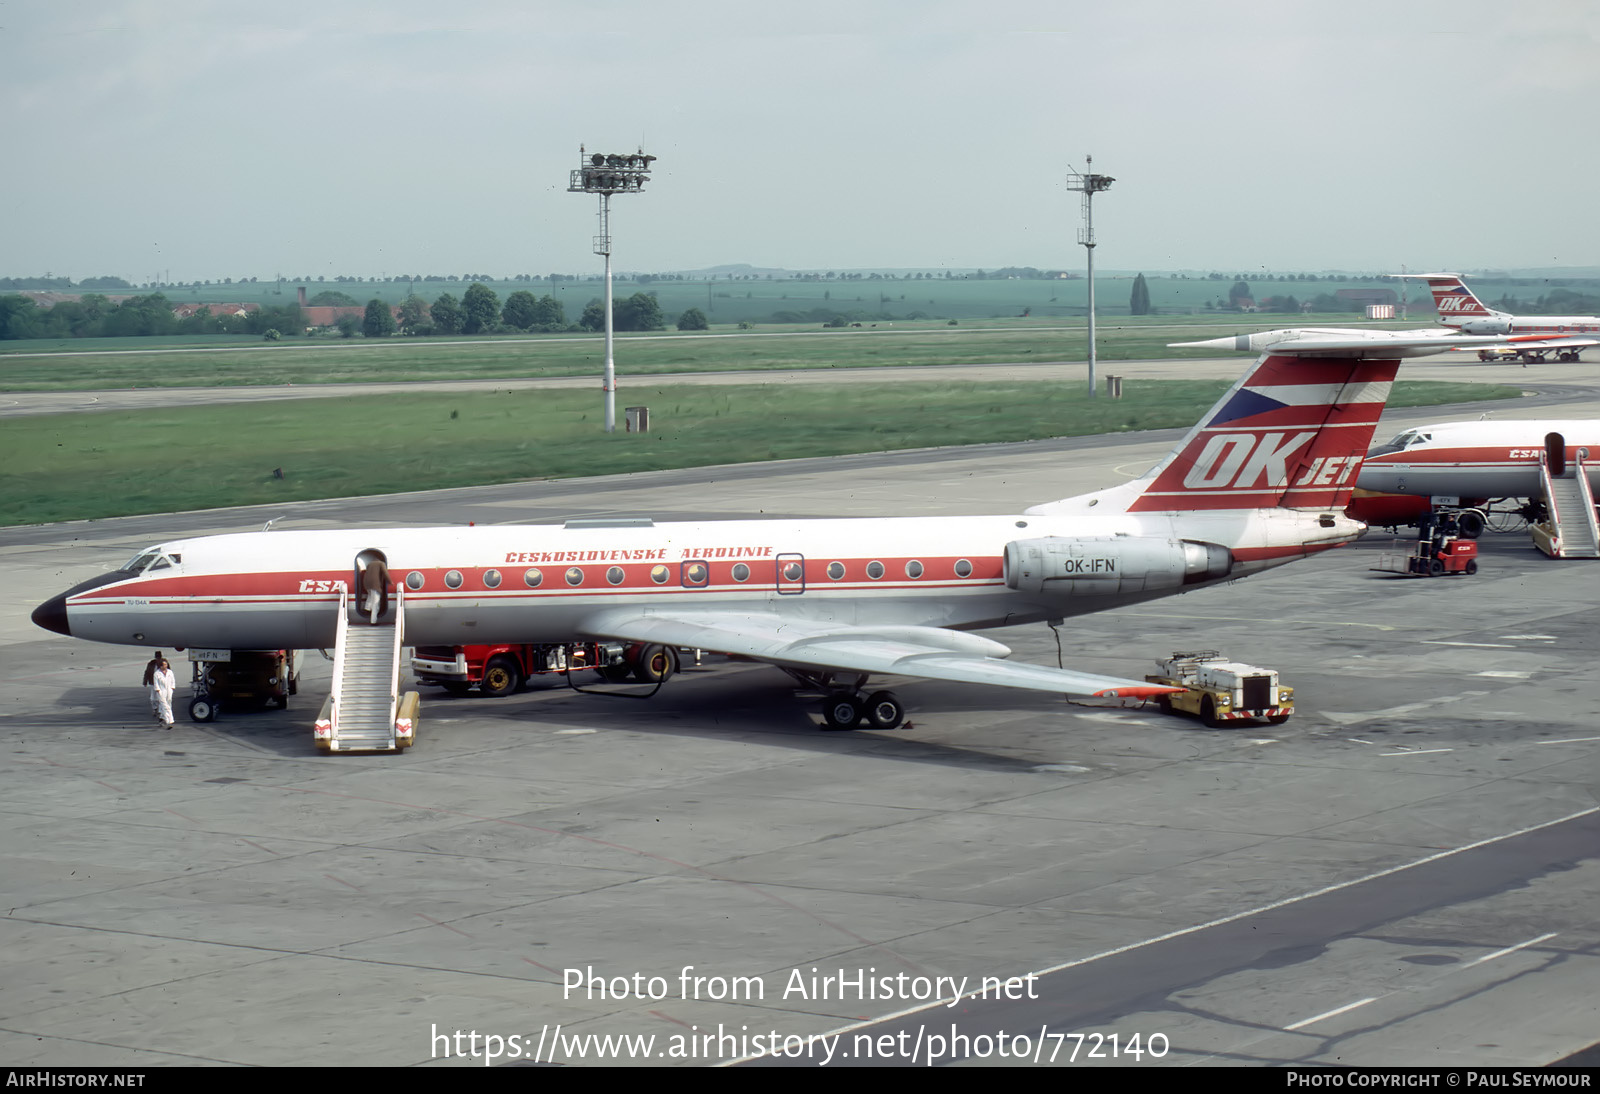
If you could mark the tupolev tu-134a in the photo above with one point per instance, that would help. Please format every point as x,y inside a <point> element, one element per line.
<point>1262,479</point>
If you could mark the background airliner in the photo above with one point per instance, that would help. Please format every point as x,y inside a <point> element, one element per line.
<point>1461,310</point>
<point>1263,479</point>
<point>1473,462</point>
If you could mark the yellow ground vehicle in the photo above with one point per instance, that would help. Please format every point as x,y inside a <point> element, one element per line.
<point>1219,691</point>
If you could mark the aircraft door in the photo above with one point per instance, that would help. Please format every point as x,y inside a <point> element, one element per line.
<point>369,591</point>
<point>1555,454</point>
<point>791,574</point>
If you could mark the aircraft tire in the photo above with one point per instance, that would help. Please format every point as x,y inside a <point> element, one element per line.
<point>202,710</point>
<point>1471,523</point>
<point>500,677</point>
<point>655,664</point>
<point>884,710</point>
<point>841,710</point>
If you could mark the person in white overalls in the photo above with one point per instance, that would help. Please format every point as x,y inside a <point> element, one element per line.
<point>164,683</point>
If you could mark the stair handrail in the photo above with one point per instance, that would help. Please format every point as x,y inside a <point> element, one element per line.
<point>399,641</point>
<point>1579,472</point>
<point>1547,484</point>
<point>338,658</point>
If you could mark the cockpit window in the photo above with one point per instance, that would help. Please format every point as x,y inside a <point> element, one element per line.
<point>150,560</point>
<point>1402,442</point>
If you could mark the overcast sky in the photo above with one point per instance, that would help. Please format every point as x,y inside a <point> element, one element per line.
<point>216,139</point>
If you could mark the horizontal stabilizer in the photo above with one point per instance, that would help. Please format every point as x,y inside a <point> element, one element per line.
<point>1325,342</point>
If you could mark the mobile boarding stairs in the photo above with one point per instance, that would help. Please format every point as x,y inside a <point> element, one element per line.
<point>1572,530</point>
<point>365,711</point>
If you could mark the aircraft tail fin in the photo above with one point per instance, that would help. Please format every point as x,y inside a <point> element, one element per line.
<point>1291,433</point>
<point>1455,303</point>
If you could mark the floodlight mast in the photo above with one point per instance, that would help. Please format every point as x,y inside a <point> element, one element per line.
<point>1089,184</point>
<point>605,175</point>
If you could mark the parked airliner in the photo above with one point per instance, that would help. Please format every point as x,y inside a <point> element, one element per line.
<point>1461,310</point>
<point>1262,480</point>
<point>1472,463</point>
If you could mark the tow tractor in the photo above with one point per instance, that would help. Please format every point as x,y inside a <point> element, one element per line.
<point>497,670</point>
<point>1219,691</point>
<point>242,679</point>
<point>1440,549</point>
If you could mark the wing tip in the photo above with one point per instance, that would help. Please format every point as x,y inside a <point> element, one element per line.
<point>1135,691</point>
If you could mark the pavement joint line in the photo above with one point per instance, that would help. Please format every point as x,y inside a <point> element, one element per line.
<point>1184,931</point>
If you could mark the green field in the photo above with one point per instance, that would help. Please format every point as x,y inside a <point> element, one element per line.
<point>87,365</point>
<point>76,466</point>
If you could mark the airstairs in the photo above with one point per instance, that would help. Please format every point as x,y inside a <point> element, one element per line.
<point>1572,530</point>
<point>364,711</point>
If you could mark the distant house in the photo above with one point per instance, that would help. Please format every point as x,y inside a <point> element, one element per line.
<point>322,315</point>
<point>218,311</point>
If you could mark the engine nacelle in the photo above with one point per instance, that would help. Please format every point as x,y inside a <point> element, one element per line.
<point>1105,565</point>
<point>1493,324</point>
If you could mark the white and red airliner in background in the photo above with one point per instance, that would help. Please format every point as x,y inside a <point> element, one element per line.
<point>1472,463</point>
<point>1529,336</point>
<point>1262,480</point>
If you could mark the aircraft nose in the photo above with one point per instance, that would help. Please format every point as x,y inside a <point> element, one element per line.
<point>52,615</point>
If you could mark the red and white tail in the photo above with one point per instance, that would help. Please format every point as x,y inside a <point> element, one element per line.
<point>1291,433</point>
<point>1454,302</point>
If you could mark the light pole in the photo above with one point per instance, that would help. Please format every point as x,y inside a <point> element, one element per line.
<point>605,175</point>
<point>1089,184</point>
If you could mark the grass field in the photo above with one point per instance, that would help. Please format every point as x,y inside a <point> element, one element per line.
<point>87,365</point>
<point>76,466</point>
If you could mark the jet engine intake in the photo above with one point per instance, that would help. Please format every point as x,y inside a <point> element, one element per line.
<point>1105,565</point>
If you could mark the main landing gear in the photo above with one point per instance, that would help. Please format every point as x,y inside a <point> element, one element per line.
<point>847,708</point>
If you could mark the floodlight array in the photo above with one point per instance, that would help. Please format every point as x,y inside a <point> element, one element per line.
<point>602,173</point>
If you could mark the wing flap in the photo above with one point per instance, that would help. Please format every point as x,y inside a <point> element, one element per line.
<point>928,652</point>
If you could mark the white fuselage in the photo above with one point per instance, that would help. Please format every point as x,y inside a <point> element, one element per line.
<point>539,583</point>
<point>1477,459</point>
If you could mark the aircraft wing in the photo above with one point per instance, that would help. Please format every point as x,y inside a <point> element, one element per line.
<point>1537,341</point>
<point>928,652</point>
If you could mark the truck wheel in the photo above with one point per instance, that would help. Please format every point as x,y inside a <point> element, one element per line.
<point>655,664</point>
<point>1435,567</point>
<point>1277,719</point>
<point>615,674</point>
<point>501,677</point>
<point>1208,712</point>
<point>456,690</point>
